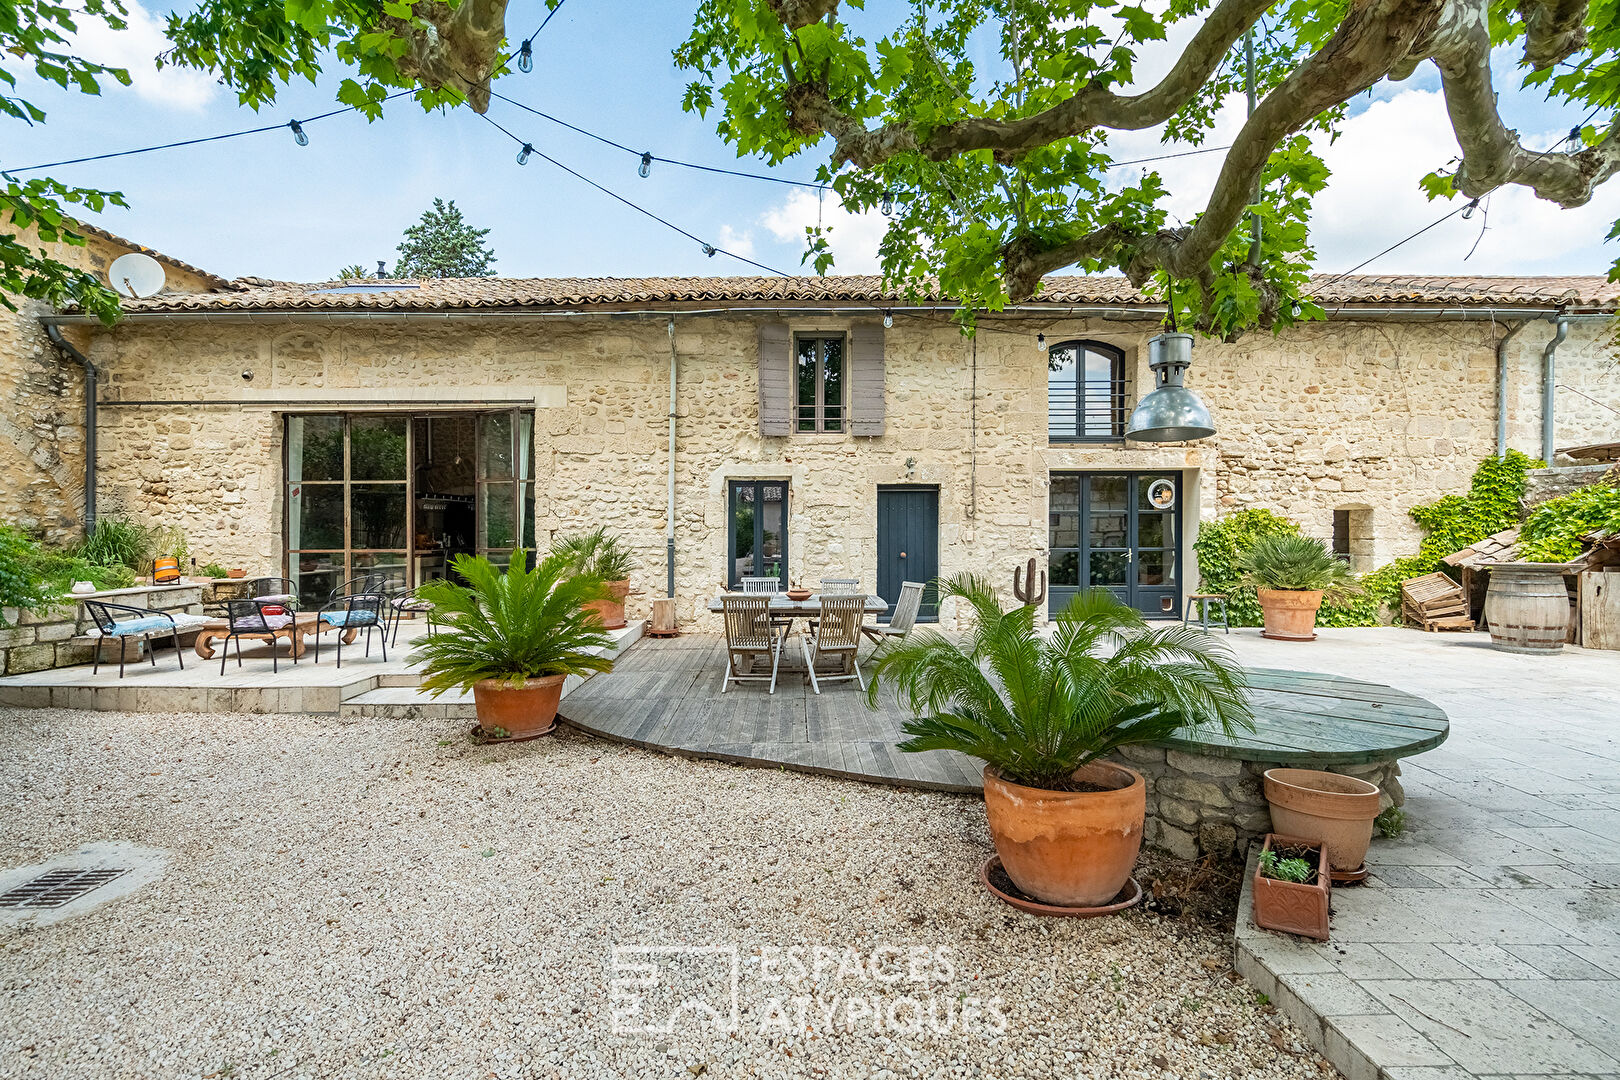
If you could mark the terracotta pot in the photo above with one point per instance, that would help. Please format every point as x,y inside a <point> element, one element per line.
<point>1290,613</point>
<point>1287,905</point>
<point>611,611</point>
<point>1325,808</point>
<point>522,713</point>
<point>1069,848</point>
<point>236,573</point>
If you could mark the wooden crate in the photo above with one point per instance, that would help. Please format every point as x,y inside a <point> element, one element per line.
<point>1435,602</point>
<point>1600,608</point>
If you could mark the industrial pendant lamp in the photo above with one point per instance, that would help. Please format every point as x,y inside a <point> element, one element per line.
<point>1170,412</point>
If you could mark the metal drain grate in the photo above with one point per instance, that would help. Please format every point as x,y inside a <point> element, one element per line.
<point>57,888</point>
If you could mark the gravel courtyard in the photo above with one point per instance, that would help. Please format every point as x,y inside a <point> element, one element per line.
<point>385,899</point>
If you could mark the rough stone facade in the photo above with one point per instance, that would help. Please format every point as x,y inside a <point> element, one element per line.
<point>1366,415</point>
<point>42,399</point>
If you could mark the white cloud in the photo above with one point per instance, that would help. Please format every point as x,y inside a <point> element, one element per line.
<point>738,242</point>
<point>136,48</point>
<point>854,238</point>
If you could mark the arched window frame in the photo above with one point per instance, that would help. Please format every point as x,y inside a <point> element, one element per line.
<point>1094,402</point>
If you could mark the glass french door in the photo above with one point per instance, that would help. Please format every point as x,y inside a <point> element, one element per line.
<point>757,541</point>
<point>1118,531</point>
<point>372,493</point>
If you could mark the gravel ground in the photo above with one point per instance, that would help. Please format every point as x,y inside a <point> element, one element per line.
<point>384,899</point>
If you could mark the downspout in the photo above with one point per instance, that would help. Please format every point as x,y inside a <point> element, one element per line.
<point>669,525</point>
<point>90,393</point>
<point>1502,387</point>
<point>1549,389</point>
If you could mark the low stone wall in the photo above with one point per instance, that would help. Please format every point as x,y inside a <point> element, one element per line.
<point>53,639</point>
<point>1200,805</point>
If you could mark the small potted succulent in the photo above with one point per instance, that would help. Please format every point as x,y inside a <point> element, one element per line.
<point>602,555</point>
<point>1291,576</point>
<point>1292,886</point>
<point>512,638</point>
<point>1043,711</point>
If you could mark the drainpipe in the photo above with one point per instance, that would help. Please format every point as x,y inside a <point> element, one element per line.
<point>90,392</point>
<point>669,525</point>
<point>1502,387</point>
<point>1549,388</point>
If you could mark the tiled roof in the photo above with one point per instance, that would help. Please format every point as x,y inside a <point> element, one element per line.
<point>95,230</point>
<point>495,293</point>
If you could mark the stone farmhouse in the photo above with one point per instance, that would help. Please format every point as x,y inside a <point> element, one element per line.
<point>799,427</point>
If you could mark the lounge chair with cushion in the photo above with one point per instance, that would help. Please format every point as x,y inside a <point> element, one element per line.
<point>145,623</point>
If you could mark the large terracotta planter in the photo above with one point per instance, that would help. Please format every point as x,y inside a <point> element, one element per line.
<point>522,714</point>
<point>1069,848</point>
<point>1324,808</point>
<point>611,611</point>
<point>1289,906</point>
<point>1290,613</point>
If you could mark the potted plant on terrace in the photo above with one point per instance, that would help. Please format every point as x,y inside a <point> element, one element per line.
<point>1291,576</point>
<point>512,638</point>
<point>600,554</point>
<point>1043,710</point>
<point>1292,886</point>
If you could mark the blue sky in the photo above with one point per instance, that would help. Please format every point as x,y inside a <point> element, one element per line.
<point>263,205</point>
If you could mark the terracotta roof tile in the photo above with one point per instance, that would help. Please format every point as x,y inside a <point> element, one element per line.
<point>496,293</point>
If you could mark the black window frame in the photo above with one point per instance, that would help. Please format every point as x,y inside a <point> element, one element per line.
<point>733,580</point>
<point>819,407</point>
<point>1113,396</point>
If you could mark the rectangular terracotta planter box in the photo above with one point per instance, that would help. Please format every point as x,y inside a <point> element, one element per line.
<point>1288,906</point>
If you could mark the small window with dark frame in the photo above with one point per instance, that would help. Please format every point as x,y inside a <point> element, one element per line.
<point>818,381</point>
<point>1085,391</point>
<point>1341,535</point>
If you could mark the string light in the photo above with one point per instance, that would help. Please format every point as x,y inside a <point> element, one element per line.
<point>298,133</point>
<point>1468,211</point>
<point>526,57</point>
<point>709,250</point>
<point>1040,342</point>
<point>523,154</point>
<point>644,170</point>
<point>886,203</point>
<point>888,320</point>
<point>1575,139</point>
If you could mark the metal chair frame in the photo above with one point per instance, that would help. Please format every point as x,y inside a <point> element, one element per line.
<point>360,602</point>
<point>406,601</point>
<point>247,618</point>
<point>105,621</point>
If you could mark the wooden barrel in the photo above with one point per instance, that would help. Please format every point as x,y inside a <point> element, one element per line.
<point>1527,607</point>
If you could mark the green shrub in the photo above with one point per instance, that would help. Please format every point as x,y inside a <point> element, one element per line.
<point>1220,546</point>
<point>214,570</point>
<point>20,587</point>
<point>1553,531</point>
<point>598,554</point>
<point>1296,562</point>
<point>119,541</point>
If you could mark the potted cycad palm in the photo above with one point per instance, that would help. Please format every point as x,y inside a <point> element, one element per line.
<point>512,637</point>
<point>600,554</point>
<point>1291,576</point>
<point>1042,711</point>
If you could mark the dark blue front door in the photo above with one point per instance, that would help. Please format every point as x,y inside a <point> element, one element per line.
<point>908,544</point>
<point>1118,531</point>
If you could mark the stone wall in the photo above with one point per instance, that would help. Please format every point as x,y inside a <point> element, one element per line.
<point>1586,386</point>
<point>1361,415</point>
<point>1201,805</point>
<point>53,639</point>
<point>42,402</point>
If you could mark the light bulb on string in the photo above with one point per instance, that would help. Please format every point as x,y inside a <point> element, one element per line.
<point>298,133</point>
<point>645,168</point>
<point>886,203</point>
<point>709,250</point>
<point>523,154</point>
<point>525,58</point>
<point>1468,211</point>
<point>1040,342</point>
<point>1574,139</point>
<point>888,320</point>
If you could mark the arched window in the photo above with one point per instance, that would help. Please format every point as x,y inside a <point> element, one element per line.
<point>1085,391</point>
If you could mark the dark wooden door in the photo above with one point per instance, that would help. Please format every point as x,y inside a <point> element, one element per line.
<point>908,544</point>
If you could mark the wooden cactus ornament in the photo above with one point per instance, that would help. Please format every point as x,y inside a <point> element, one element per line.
<point>1025,589</point>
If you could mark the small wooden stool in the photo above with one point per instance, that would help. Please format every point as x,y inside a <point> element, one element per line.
<point>1203,600</point>
<point>663,619</point>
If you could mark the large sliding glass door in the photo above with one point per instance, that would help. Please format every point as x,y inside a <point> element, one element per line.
<point>400,494</point>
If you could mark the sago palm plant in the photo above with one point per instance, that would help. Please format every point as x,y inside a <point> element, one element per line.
<point>1037,707</point>
<point>598,553</point>
<point>1297,562</point>
<point>511,626</point>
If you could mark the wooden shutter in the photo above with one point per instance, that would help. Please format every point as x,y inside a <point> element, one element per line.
<point>866,379</point>
<point>775,383</point>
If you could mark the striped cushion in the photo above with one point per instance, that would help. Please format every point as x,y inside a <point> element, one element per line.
<point>349,618</point>
<point>144,625</point>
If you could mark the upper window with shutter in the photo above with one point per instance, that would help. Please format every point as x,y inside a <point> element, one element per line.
<point>819,379</point>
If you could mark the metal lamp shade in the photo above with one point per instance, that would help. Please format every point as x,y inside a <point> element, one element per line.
<point>1170,412</point>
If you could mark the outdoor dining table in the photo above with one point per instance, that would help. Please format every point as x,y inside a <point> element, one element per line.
<point>810,608</point>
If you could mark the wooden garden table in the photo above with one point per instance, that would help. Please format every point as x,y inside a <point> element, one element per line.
<point>305,625</point>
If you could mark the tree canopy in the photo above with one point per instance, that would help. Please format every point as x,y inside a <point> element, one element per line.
<point>443,245</point>
<point>985,124</point>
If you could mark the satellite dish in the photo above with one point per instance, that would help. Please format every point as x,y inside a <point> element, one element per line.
<point>136,275</point>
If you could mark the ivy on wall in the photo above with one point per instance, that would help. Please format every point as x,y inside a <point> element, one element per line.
<point>1554,529</point>
<point>1449,524</point>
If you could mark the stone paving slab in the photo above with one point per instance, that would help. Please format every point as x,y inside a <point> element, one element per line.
<point>1486,943</point>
